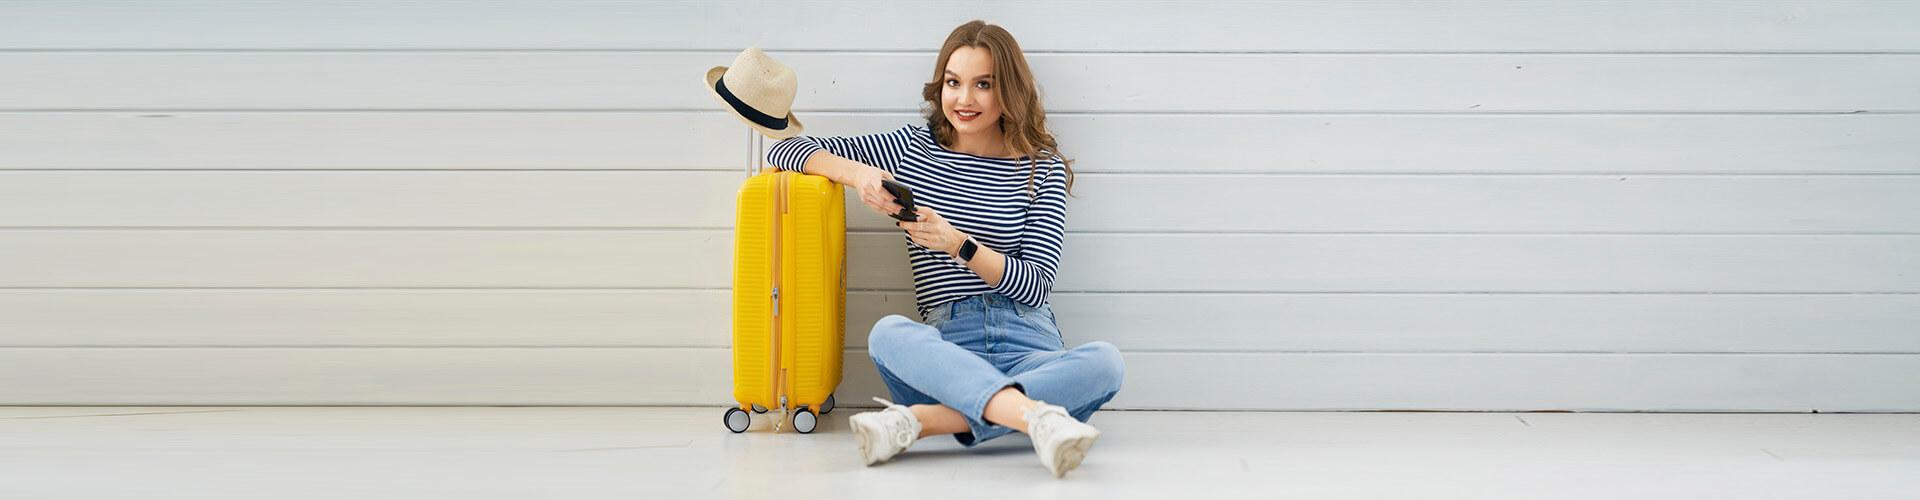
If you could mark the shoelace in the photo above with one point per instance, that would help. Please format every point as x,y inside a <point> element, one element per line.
<point>903,435</point>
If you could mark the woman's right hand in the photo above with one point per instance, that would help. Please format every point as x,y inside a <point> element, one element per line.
<point>866,180</point>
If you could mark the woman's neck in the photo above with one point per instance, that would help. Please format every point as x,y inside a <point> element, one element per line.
<point>988,144</point>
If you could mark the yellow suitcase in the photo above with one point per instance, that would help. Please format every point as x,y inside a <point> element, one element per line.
<point>789,298</point>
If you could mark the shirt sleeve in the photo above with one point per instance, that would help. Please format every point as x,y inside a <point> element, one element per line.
<point>882,150</point>
<point>1030,270</point>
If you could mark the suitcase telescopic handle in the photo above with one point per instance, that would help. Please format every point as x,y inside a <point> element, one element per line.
<point>759,143</point>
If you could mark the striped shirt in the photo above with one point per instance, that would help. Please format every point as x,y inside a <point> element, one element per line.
<point>986,198</point>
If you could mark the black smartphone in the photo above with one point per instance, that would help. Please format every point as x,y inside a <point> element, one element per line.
<point>904,197</point>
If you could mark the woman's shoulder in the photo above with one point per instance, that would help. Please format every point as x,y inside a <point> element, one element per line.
<point>1054,164</point>
<point>1056,178</point>
<point>918,133</point>
<point>1053,159</point>
<point>908,134</point>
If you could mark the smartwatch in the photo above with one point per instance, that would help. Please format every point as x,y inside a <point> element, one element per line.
<point>967,249</point>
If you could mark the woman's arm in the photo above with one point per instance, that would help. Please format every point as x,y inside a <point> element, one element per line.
<point>858,161</point>
<point>1028,278</point>
<point>833,166</point>
<point>864,178</point>
<point>989,264</point>
<point>935,232</point>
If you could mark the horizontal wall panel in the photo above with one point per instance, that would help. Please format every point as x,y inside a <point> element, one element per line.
<point>1093,262</point>
<point>1475,322</point>
<point>321,317</point>
<point>1416,143</point>
<point>370,198</point>
<point>1523,382</point>
<point>366,258</point>
<point>1476,204</point>
<point>1445,263</point>
<point>373,140</point>
<point>1138,203</point>
<point>1461,83</point>
<point>1447,83</point>
<point>373,376</point>
<point>1494,263</point>
<point>1332,143</point>
<point>1486,322</point>
<point>1099,26</point>
<point>363,376</point>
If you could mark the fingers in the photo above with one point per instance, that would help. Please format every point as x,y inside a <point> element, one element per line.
<point>916,230</point>
<point>929,231</point>
<point>920,231</point>
<point>887,208</point>
<point>919,236</point>
<point>879,203</point>
<point>928,222</point>
<point>880,200</point>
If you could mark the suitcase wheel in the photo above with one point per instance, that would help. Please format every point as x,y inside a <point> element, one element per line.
<point>827,407</point>
<point>804,421</point>
<point>737,420</point>
<point>759,409</point>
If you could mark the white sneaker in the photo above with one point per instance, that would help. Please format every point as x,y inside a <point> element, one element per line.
<point>885,433</point>
<point>1060,440</point>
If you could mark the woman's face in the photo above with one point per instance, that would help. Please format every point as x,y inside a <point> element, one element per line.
<point>967,93</point>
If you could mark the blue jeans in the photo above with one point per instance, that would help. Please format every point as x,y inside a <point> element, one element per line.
<point>972,348</point>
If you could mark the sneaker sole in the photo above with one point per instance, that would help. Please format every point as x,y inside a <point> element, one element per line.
<point>1070,455</point>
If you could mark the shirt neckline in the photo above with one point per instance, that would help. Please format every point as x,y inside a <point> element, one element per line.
<point>937,145</point>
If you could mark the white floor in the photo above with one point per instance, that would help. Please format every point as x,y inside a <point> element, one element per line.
<point>643,453</point>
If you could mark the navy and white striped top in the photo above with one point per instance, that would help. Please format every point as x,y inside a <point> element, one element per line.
<point>986,198</point>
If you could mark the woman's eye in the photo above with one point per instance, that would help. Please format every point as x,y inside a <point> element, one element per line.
<point>984,85</point>
<point>952,82</point>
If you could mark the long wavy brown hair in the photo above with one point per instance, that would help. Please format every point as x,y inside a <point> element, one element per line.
<point>1023,122</point>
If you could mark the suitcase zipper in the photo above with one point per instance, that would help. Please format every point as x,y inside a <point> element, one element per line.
<point>780,209</point>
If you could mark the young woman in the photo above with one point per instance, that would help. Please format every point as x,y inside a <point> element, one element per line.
<point>991,187</point>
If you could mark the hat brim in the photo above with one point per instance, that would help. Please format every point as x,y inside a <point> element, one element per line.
<point>793,121</point>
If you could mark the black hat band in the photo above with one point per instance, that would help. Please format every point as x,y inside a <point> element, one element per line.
<point>752,115</point>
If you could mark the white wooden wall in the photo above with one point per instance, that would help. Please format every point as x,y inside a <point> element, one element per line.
<point>1313,205</point>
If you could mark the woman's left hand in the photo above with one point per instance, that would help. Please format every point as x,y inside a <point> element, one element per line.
<point>933,231</point>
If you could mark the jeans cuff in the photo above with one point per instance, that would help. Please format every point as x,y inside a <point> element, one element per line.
<point>976,413</point>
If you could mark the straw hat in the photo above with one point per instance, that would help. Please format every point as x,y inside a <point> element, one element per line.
<point>759,91</point>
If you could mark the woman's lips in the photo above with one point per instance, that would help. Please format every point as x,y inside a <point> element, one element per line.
<point>965,117</point>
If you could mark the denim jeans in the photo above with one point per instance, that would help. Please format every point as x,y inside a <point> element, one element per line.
<point>972,348</point>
